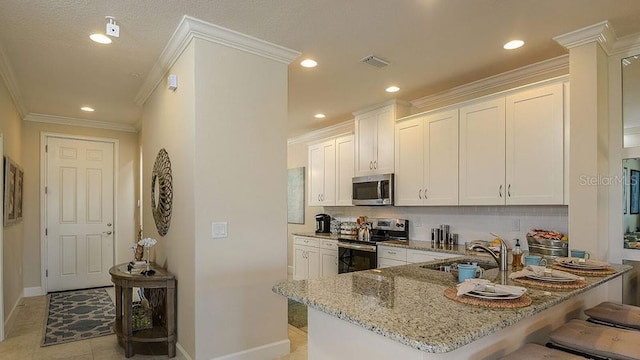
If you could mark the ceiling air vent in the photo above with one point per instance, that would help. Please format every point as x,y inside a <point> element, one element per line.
<point>375,61</point>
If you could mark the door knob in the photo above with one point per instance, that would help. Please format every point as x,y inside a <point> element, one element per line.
<point>107,232</point>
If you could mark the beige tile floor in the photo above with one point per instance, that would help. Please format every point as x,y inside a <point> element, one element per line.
<point>24,336</point>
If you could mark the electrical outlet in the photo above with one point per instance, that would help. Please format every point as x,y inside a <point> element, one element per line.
<point>219,230</point>
<point>515,225</point>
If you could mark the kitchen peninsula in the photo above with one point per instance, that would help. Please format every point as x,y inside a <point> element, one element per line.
<point>401,312</point>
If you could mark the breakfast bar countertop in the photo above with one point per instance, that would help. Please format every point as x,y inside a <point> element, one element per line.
<point>407,304</point>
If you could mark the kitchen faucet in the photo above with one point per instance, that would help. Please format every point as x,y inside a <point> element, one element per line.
<point>501,258</point>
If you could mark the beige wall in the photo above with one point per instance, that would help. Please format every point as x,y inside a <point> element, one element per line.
<point>12,260</point>
<point>240,178</point>
<point>126,220</point>
<point>168,122</point>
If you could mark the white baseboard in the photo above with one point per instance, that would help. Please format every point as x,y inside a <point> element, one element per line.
<point>269,351</point>
<point>183,352</point>
<point>290,270</point>
<point>12,315</point>
<point>33,291</point>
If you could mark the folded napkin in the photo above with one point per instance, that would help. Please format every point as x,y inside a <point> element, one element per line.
<point>540,271</point>
<point>486,285</point>
<point>575,260</point>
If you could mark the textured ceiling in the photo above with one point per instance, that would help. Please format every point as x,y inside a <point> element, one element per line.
<point>432,45</point>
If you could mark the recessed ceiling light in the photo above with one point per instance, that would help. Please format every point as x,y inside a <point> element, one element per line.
<point>100,38</point>
<point>513,44</point>
<point>319,116</point>
<point>87,109</point>
<point>308,63</point>
<point>392,89</point>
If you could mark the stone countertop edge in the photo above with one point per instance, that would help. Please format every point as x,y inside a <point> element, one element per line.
<point>408,244</point>
<point>321,295</point>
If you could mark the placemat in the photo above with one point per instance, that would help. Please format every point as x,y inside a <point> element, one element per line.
<point>552,285</point>
<point>522,301</point>
<point>603,272</point>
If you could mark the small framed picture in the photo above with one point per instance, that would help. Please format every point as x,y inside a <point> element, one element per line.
<point>634,192</point>
<point>13,190</point>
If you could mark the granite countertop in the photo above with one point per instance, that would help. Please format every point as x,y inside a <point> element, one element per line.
<point>406,304</point>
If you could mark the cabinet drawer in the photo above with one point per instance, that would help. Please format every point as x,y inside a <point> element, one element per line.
<point>329,244</point>
<point>416,256</point>
<point>393,253</point>
<point>306,241</point>
<point>383,263</point>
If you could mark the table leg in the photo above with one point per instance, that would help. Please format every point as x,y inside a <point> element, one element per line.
<point>118,306</point>
<point>171,318</point>
<point>127,328</point>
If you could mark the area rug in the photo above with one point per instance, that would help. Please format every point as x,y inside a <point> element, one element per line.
<point>78,315</point>
<point>297,314</point>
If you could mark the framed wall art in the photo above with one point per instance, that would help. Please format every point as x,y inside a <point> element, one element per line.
<point>295,198</point>
<point>634,192</point>
<point>13,190</point>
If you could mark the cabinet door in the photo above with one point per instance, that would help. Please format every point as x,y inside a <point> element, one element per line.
<point>344,170</point>
<point>328,262</point>
<point>482,153</point>
<point>534,143</point>
<point>313,258</point>
<point>300,263</point>
<point>409,162</point>
<point>366,130</point>
<point>384,151</point>
<point>383,263</point>
<point>441,158</point>
<point>329,195</point>
<point>316,174</point>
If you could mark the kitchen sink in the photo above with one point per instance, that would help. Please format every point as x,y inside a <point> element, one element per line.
<point>446,265</point>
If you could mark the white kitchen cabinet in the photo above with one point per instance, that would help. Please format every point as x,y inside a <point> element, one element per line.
<point>306,259</point>
<point>391,256</point>
<point>384,263</point>
<point>482,153</point>
<point>534,143</point>
<point>417,256</point>
<point>374,138</point>
<point>331,169</point>
<point>328,262</point>
<point>344,170</point>
<point>426,159</point>
<point>511,148</point>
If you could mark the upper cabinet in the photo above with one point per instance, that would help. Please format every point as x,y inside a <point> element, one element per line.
<point>374,138</point>
<point>331,168</point>
<point>426,159</point>
<point>511,148</point>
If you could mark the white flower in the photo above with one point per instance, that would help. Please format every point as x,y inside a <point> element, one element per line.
<point>147,242</point>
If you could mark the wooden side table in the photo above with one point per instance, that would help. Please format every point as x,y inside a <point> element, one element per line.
<point>124,283</point>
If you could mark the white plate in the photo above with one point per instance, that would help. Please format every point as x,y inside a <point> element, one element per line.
<point>581,266</point>
<point>494,296</point>
<point>551,278</point>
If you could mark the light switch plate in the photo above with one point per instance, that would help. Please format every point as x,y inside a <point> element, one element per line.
<point>219,230</point>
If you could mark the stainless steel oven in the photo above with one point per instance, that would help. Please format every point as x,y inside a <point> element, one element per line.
<point>354,256</point>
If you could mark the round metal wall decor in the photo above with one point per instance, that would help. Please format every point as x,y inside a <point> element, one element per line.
<point>162,192</point>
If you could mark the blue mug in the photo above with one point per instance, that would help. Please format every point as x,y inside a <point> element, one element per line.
<point>534,260</point>
<point>466,271</point>
<point>580,254</point>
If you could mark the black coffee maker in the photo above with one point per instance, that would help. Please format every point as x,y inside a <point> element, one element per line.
<point>323,224</point>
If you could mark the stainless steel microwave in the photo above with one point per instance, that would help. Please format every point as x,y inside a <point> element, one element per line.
<point>373,190</point>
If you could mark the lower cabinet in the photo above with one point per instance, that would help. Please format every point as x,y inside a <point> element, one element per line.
<point>314,257</point>
<point>394,256</point>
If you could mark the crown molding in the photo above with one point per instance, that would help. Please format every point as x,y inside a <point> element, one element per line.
<point>190,28</point>
<point>97,124</point>
<point>627,45</point>
<point>6,72</point>
<point>342,128</point>
<point>601,32</point>
<point>494,83</point>
<point>380,105</point>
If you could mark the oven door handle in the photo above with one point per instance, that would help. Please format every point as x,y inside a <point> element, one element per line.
<point>369,248</point>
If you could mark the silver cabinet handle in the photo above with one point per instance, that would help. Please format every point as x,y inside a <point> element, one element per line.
<point>392,252</point>
<point>500,190</point>
<point>425,193</point>
<point>107,232</point>
<point>375,164</point>
<point>420,194</point>
<point>318,197</point>
<point>370,165</point>
<point>509,190</point>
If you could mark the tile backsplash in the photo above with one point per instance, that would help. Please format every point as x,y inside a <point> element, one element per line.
<point>470,222</point>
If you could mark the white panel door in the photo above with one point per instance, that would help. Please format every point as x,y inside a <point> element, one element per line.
<point>316,174</point>
<point>366,132</point>
<point>441,158</point>
<point>328,262</point>
<point>534,142</point>
<point>385,124</point>
<point>482,153</point>
<point>344,170</point>
<point>79,213</point>
<point>409,161</point>
<point>300,263</point>
<point>313,256</point>
<point>329,194</point>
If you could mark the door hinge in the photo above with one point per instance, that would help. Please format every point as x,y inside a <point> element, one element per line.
<point>46,189</point>
<point>46,231</point>
<point>46,273</point>
<point>46,148</point>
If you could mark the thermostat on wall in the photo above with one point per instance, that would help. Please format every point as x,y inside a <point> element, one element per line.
<point>172,82</point>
